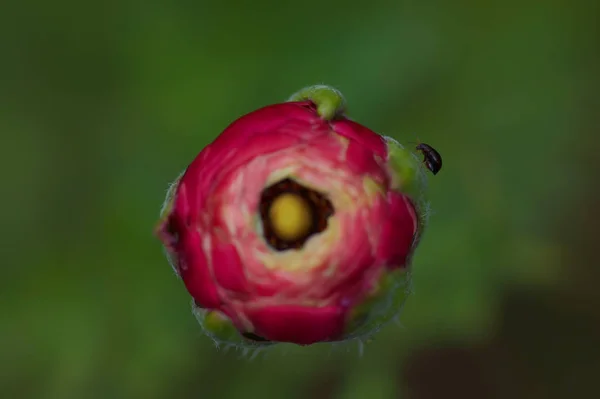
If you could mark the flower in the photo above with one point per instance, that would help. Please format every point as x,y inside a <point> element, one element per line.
<point>295,225</point>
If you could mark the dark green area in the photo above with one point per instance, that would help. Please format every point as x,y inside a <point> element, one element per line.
<point>103,104</point>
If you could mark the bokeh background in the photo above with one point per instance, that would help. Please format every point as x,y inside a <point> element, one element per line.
<point>102,104</point>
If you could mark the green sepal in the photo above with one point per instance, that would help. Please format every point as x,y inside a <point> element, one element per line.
<point>221,330</point>
<point>408,175</point>
<point>381,306</point>
<point>329,101</point>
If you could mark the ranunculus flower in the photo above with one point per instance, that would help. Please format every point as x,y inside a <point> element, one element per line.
<point>295,225</point>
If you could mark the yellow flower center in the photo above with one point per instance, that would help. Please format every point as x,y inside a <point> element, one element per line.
<point>291,213</point>
<point>290,216</point>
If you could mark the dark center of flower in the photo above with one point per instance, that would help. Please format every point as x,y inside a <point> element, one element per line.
<point>291,213</point>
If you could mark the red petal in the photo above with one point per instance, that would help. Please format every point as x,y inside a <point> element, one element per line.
<point>361,161</point>
<point>397,232</point>
<point>227,267</point>
<point>263,131</point>
<point>298,324</point>
<point>362,135</point>
<point>195,271</point>
<point>268,119</point>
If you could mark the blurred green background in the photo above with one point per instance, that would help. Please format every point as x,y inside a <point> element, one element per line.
<point>103,104</point>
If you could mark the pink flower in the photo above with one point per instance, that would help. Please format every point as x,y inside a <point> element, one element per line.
<point>294,227</point>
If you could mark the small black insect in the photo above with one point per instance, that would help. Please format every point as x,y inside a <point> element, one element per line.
<point>431,158</point>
